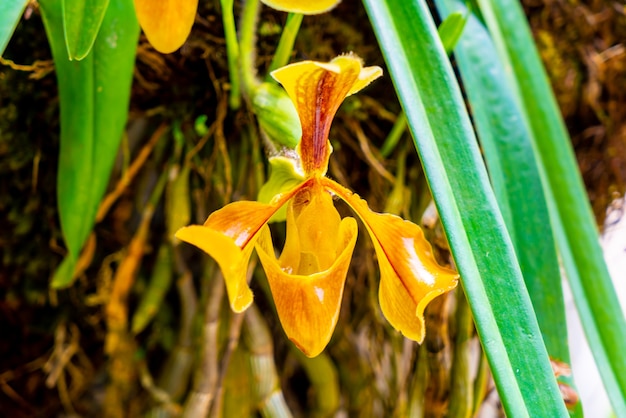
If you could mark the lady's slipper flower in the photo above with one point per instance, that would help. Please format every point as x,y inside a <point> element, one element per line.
<point>308,278</point>
<point>166,23</point>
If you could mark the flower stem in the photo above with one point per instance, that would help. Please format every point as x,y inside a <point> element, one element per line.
<point>232,51</point>
<point>398,129</point>
<point>285,44</point>
<point>247,40</point>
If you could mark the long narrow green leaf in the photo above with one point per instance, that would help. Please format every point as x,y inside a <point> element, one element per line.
<point>10,14</point>
<point>514,173</point>
<point>81,23</point>
<point>573,222</point>
<point>94,95</point>
<point>475,229</point>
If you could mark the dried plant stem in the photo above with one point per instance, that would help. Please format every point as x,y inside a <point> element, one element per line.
<point>234,331</point>
<point>119,343</point>
<point>267,392</point>
<point>417,393</point>
<point>175,376</point>
<point>437,344</point>
<point>202,395</point>
<point>462,386</point>
<point>130,174</point>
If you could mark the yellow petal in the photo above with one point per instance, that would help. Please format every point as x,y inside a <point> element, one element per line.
<point>317,223</point>
<point>229,235</point>
<point>166,23</point>
<point>367,75</point>
<point>308,305</point>
<point>306,7</point>
<point>409,274</point>
<point>317,90</point>
<point>233,260</point>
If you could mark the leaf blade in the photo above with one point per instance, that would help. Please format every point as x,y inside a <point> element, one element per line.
<point>94,96</point>
<point>81,23</point>
<point>10,14</point>
<point>475,229</point>
<point>573,222</point>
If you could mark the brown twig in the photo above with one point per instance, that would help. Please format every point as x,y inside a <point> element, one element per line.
<point>130,174</point>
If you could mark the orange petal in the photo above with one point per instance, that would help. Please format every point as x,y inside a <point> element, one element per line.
<point>306,7</point>
<point>166,23</point>
<point>229,235</point>
<point>308,306</point>
<point>317,90</point>
<point>409,274</point>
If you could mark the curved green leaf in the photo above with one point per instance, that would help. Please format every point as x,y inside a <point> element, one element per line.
<point>572,219</point>
<point>10,14</point>
<point>94,95</point>
<point>81,23</point>
<point>515,176</point>
<point>474,226</point>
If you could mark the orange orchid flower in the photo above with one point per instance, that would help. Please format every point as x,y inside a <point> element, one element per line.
<point>166,23</point>
<point>307,7</point>
<point>308,278</point>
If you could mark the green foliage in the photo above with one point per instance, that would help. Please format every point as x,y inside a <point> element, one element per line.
<point>94,95</point>
<point>570,213</point>
<point>10,14</point>
<point>506,223</point>
<point>515,176</point>
<point>458,180</point>
<point>276,114</point>
<point>451,29</point>
<point>81,24</point>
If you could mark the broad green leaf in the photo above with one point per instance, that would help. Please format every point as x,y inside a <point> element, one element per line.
<point>94,95</point>
<point>478,238</point>
<point>571,216</point>
<point>10,15</point>
<point>81,23</point>
<point>515,176</point>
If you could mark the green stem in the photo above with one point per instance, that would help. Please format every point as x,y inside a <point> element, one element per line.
<point>247,40</point>
<point>285,44</point>
<point>394,136</point>
<point>232,50</point>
